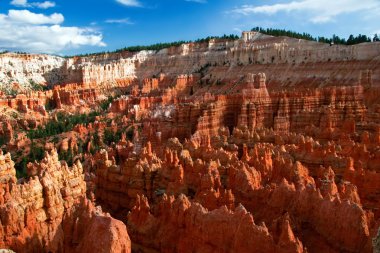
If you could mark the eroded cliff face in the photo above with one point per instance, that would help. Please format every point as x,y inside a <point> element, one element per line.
<point>49,212</point>
<point>301,161</point>
<point>287,62</point>
<point>279,194</point>
<point>269,145</point>
<point>18,71</point>
<point>227,231</point>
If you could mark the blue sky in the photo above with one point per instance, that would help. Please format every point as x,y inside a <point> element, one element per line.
<point>82,26</point>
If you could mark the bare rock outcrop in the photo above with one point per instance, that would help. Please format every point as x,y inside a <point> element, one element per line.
<point>178,223</point>
<point>49,213</point>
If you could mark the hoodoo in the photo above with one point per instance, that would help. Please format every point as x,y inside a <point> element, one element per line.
<point>258,144</point>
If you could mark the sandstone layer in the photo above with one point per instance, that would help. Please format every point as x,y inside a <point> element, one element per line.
<point>264,145</point>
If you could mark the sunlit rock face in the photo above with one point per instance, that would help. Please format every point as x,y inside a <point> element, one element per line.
<point>20,69</point>
<point>49,211</point>
<point>341,64</point>
<point>263,144</point>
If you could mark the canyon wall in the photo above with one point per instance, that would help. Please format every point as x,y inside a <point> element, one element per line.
<point>265,145</point>
<point>302,161</point>
<point>288,62</point>
<point>229,60</point>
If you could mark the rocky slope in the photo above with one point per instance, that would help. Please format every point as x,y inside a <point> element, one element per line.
<point>287,62</point>
<point>49,211</point>
<point>265,145</point>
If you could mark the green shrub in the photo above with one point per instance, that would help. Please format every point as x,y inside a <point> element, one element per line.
<point>67,156</point>
<point>36,86</point>
<point>64,123</point>
<point>110,136</point>
<point>36,154</point>
<point>104,105</point>
<point>2,140</point>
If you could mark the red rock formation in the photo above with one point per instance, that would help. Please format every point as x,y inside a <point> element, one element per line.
<point>49,213</point>
<point>265,180</point>
<point>367,182</point>
<point>178,223</point>
<point>278,162</point>
<point>34,101</point>
<point>6,132</point>
<point>88,229</point>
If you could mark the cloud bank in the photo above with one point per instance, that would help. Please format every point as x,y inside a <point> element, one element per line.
<point>24,30</point>
<point>320,11</point>
<point>26,4</point>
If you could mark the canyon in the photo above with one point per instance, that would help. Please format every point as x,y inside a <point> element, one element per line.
<point>261,144</point>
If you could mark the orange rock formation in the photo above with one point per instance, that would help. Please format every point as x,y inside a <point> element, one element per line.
<point>49,211</point>
<point>267,145</point>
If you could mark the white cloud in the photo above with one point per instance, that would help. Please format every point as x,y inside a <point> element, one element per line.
<point>320,11</point>
<point>27,17</point>
<point>22,30</point>
<point>133,3</point>
<point>45,5</point>
<point>25,4</point>
<point>19,2</point>
<point>126,21</point>
<point>197,1</point>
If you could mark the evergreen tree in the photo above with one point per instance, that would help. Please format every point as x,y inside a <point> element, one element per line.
<point>160,46</point>
<point>352,40</point>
